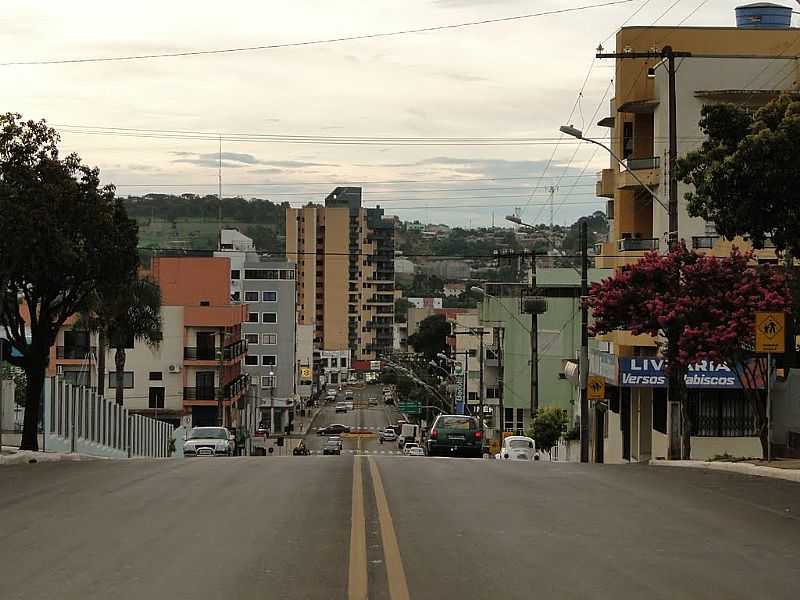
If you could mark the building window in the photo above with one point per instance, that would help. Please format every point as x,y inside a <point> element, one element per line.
<point>269,317</point>
<point>156,376</point>
<point>269,360</point>
<point>323,362</point>
<point>472,396</point>
<point>76,377</point>
<point>156,399</point>
<point>252,317</point>
<point>492,392</point>
<point>251,296</point>
<point>334,377</point>
<point>627,139</point>
<point>127,379</point>
<point>261,274</point>
<point>660,410</point>
<point>269,296</point>
<point>334,362</point>
<point>267,381</point>
<point>269,339</point>
<point>251,360</point>
<point>235,274</point>
<point>252,338</point>
<point>343,362</point>
<point>721,413</point>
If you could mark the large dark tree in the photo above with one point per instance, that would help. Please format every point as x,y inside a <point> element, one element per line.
<point>746,175</point>
<point>62,235</point>
<point>431,338</point>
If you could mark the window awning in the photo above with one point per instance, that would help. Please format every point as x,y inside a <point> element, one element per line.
<point>644,107</point>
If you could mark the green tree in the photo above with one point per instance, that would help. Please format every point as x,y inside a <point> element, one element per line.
<point>62,235</point>
<point>401,306</point>
<point>431,338</point>
<point>120,315</point>
<point>549,424</point>
<point>746,175</point>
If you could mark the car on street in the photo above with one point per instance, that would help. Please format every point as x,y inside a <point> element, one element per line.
<point>518,447</point>
<point>335,439</point>
<point>334,429</point>
<point>455,435</point>
<point>341,407</point>
<point>331,448</point>
<point>415,451</point>
<point>208,441</point>
<point>408,446</point>
<point>388,435</point>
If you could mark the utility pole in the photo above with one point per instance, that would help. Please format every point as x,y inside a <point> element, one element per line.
<point>219,192</point>
<point>500,378</point>
<point>670,55</point>
<point>552,190</point>
<point>482,392</point>
<point>584,359</point>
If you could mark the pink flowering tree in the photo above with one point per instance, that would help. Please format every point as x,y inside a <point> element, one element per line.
<point>700,307</point>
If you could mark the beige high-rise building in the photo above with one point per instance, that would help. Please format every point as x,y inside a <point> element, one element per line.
<point>345,273</point>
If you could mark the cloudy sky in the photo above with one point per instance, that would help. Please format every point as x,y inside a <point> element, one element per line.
<point>282,113</point>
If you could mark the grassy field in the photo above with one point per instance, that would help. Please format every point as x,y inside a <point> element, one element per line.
<point>196,234</point>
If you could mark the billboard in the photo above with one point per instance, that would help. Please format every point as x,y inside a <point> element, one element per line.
<point>651,372</point>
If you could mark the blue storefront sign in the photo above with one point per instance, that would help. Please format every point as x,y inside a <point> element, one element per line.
<point>651,372</point>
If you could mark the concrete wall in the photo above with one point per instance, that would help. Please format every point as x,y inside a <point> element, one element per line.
<point>704,448</point>
<point>786,407</point>
<point>612,451</point>
<point>8,421</point>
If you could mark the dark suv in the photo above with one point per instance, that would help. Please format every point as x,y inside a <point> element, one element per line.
<point>455,435</point>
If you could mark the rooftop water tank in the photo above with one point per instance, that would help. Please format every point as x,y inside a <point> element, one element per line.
<point>763,15</point>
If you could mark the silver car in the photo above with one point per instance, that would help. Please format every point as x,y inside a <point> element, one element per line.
<point>208,441</point>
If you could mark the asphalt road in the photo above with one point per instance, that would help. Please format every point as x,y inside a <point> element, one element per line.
<point>390,527</point>
<point>371,418</point>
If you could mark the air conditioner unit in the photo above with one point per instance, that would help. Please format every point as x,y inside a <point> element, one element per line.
<point>174,368</point>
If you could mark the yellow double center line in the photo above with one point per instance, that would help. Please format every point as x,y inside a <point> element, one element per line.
<point>357,588</point>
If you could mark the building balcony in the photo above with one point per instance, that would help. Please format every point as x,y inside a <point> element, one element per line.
<point>637,244</point>
<point>605,183</point>
<point>648,170</point>
<point>704,241</point>
<point>202,394</point>
<point>74,352</point>
<point>229,353</point>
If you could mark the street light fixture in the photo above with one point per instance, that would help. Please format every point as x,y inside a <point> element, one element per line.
<point>578,134</point>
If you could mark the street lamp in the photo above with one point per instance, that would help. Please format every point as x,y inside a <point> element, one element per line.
<point>577,133</point>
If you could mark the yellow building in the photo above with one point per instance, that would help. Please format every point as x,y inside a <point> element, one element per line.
<point>727,64</point>
<point>345,273</point>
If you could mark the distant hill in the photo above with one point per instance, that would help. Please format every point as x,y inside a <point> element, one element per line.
<point>191,221</point>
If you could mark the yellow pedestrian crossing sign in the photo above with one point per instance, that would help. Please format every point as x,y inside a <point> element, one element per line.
<point>770,332</point>
<point>596,387</point>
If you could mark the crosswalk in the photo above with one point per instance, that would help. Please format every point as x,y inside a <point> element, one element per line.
<point>373,452</point>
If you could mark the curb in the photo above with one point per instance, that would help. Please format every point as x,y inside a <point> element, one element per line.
<point>741,468</point>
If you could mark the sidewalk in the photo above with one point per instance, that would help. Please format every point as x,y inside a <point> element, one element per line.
<point>13,456</point>
<point>788,470</point>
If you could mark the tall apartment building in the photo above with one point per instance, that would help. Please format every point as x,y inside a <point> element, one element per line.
<point>745,65</point>
<point>267,287</point>
<point>345,273</point>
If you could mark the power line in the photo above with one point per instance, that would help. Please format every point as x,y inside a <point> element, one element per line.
<point>313,42</point>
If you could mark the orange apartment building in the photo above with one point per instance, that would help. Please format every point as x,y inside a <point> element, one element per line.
<point>196,371</point>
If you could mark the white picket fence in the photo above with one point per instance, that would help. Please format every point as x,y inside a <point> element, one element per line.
<point>77,419</point>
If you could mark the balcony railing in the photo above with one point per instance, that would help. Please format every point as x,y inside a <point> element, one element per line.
<point>235,350</point>
<point>639,164</point>
<point>637,244</point>
<point>75,352</point>
<point>202,393</point>
<point>704,241</point>
<point>193,353</point>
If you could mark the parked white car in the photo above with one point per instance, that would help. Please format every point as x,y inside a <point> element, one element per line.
<point>415,451</point>
<point>518,447</point>
<point>208,441</point>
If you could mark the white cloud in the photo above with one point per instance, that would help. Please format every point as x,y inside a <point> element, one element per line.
<point>507,79</point>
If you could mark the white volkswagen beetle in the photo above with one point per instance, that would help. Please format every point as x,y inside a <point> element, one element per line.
<point>518,447</point>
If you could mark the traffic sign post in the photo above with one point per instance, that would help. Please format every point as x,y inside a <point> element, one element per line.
<point>770,332</point>
<point>770,338</point>
<point>596,387</point>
